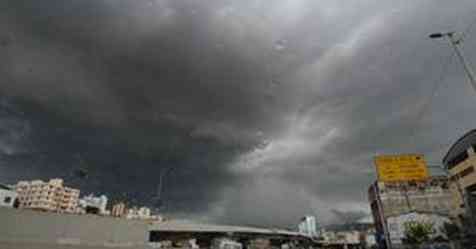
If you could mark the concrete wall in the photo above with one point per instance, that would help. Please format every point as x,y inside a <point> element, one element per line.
<point>8,245</point>
<point>433,196</point>
<point>33,229</point>
<point>398,204</point>
<point>396,225</point>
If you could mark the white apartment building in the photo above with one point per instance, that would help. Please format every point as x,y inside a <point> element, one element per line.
<point>142,213</point>
<point>95,204</point>
<point>7,196</point>
<point>47,196</point>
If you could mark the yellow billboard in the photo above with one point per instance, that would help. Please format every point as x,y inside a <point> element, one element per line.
<point>392,168</point>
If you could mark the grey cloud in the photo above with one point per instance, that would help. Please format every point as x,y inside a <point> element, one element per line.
<point>250,101</point>
<point>348,217</point>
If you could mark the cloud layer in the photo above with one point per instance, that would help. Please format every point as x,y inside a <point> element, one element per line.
<point>265,111</point>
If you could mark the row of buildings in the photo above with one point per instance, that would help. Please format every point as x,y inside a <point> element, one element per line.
<point>441,200</point>
<point>360,234</point>
<point>54,196</point>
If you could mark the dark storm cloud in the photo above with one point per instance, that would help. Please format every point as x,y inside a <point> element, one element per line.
<point>267,111</point>
<point>122,96</point>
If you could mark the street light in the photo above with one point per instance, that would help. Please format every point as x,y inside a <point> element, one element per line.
<point>455,42</point>
<point>436,35</point>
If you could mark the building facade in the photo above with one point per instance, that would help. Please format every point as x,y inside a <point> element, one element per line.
<point>308,226</point>
<point>47,196</point>
<point>350,237</point>
<point>142,213</point>
<point>392,199</point>
<point>460,161</point>
<point>93,204</point>
<point>7,196</point>
<point>359,234</point>
<point>396,224</point>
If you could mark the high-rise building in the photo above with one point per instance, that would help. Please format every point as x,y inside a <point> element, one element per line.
<point>308,226</point>
<point>430,198</point>
<point>460,161</point>
<point>119,210</point>
<point>47,196</point>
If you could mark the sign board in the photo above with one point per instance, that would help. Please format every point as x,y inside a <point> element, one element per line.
<point>394,168</point>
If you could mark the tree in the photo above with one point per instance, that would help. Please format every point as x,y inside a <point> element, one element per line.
<point>418,233</point>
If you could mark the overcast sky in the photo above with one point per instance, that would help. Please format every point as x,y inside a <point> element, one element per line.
<point>265,110</point>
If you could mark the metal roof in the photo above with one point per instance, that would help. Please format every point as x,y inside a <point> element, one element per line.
<point>461,145</point>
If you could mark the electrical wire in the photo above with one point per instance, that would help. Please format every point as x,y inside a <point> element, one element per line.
<point>427,104</point>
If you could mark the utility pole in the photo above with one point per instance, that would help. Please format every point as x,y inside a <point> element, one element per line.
<point>383,220</point>
<point>163,173</point>
<point>456,41</point>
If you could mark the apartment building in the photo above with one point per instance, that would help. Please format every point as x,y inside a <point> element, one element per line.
<point>461,162</point>
<point>50,196</point>
<point>94,204</point>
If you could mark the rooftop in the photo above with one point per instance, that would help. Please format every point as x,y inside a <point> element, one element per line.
<point>461,145</point>
<point>186,226</point>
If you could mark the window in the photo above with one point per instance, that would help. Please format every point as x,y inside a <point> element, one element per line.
<point>7,200</point>
<point>474,147</point>
<point>466,171</point>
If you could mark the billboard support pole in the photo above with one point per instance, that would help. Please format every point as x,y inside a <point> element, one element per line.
<point>386,233</point>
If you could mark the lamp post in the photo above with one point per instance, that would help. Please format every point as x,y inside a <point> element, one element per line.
<point>456,41</point>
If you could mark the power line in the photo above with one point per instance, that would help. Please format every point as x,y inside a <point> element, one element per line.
<point>426,105</point>
<point>436,86</point>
